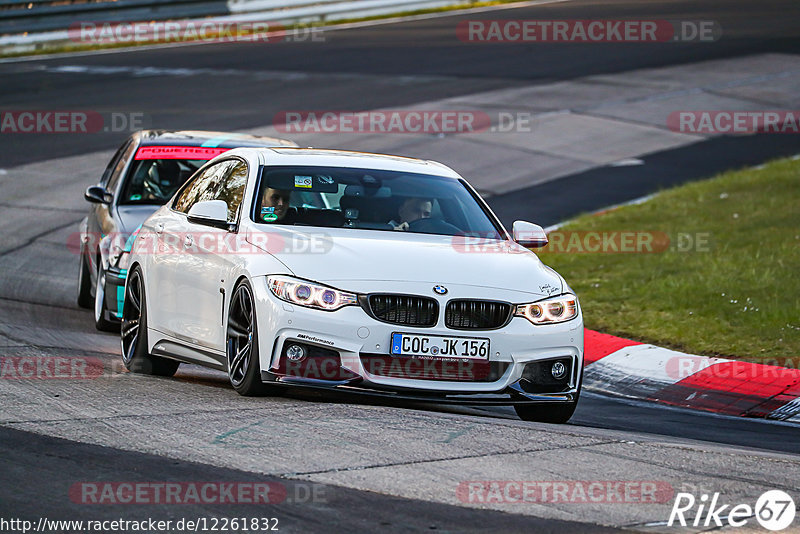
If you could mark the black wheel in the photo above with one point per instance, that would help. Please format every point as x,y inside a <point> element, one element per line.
<point>133,333</point>
<point>100,309</point>
<point>242,343</point>
<point>85,299</point>
<point>546,413</point>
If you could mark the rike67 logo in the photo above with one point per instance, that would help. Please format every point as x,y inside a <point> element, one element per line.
<point>774,510</point>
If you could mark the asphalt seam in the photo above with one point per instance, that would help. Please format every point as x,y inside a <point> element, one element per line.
<point>45,304</point>
<point>532,151</point>
<point>26,345</point>
<point>684,469</point>
<point>31,240</point>
<point>41,208</point>
<point>449,459</point>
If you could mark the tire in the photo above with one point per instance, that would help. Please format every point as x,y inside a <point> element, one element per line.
<point>241,344</point>
<point>100,310</point>
<point>133,333</point>
<point>546,413</point>
<point>85,299</point>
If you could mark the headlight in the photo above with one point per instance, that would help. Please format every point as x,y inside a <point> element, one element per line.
<point>309,294</point>
<point>553,310</point>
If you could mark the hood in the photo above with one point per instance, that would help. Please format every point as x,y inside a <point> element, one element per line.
<point>334,255</point>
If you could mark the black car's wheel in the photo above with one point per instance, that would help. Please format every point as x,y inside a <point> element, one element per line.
<point>135,354</point>
<point>546,413</point>
<point>85,299</point>
<point>100,309</point>
<point>242,343</point>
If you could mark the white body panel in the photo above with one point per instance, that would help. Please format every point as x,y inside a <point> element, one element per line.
<point>188,294</point>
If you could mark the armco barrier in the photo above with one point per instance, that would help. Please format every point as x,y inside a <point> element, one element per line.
<point>45,15</point>
<point>17,17</point>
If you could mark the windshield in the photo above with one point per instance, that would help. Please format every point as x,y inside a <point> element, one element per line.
<point>154,181</point>
<point>370,199</point>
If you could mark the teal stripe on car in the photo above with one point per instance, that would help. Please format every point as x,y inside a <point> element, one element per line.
<point>214,142</point>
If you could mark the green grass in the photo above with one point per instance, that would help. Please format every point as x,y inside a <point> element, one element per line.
<point>739,297</point>
<point>61,48</point>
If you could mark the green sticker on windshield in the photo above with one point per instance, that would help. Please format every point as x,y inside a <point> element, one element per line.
<point>136,197</point>
<point>269,217</point>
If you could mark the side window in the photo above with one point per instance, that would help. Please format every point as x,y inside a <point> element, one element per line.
<point>113,179</point>
<point>113,162</point>
<point>224,181</point>
<point>233,190</point>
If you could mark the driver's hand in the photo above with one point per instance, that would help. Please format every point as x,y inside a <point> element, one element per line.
<point>402,227</point>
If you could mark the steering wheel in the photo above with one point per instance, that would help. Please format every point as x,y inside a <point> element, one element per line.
<point>433,226</point>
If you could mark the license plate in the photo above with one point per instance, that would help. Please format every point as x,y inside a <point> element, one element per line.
<point>440,346</point>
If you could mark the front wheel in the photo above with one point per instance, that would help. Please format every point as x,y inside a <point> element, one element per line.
<point>133,334</point>
<point>100,310</point>
<point>241,344</point>
<point>85,299</point>
<point>546,413</point>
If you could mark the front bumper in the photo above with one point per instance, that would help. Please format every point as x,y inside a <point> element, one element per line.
<point>353,337</point>
<point>115,293</point>
<point>514,394</point>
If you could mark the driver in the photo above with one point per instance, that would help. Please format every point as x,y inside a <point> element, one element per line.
<point>275,204</point>
<point>161,180</point>
<point>413,209</point>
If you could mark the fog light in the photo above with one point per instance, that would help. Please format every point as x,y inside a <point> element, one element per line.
<point>559,370</point>
<point>295,353</point>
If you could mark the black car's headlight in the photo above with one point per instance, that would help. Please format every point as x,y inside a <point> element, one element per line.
<point>311,295</point>
<point>551,310</point>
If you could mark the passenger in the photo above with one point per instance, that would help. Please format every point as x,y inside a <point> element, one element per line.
<point>413,209</point>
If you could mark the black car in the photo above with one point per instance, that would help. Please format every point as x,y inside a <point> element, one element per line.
<point>144,173</point>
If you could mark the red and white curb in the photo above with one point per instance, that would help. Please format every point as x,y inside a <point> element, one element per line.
<point>631,369</point>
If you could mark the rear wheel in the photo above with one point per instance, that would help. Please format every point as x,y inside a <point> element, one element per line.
<point>100,310</point>
<point>85,299</point>
<point>135,354</point>
<point>241,344</point>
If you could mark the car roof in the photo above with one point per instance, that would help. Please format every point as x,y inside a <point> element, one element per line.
<point>343,158</point>
<point>210,139</point>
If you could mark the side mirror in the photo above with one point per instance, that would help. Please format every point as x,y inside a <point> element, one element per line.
<point>529,235</point>
<point>210,213</point>
<point>97,194</point>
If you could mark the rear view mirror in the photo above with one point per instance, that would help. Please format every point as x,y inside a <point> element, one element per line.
<point>97,194</point>
<point>210,213</point>
<point>529,235</point>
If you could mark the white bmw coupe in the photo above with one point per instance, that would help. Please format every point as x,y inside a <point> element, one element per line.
<point>364,273</point>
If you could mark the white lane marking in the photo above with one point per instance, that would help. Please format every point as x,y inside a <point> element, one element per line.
<point>141,71</point>
<point>630,162</point>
